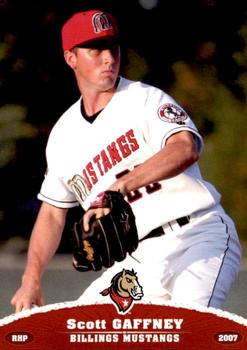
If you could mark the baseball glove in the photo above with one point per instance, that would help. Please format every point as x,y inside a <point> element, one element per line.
<point>110,237</point>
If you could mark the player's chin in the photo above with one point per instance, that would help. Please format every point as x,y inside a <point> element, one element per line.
<point>108,82</point>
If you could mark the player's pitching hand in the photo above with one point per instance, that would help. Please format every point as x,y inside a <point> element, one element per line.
<point>26,297</point>
<point>119,186</point>
<point>93,213</point>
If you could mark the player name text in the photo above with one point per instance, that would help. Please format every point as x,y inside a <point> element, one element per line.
<point>127,324</point>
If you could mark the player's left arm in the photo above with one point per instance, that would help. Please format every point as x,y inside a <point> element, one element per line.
<point>180,152</point>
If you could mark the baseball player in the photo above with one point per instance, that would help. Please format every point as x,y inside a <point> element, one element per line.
<point>130,137</point>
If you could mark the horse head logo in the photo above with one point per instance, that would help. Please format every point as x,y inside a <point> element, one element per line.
<point>124,290</point>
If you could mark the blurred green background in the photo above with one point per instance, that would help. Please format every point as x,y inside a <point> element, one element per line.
<point>194,50</point>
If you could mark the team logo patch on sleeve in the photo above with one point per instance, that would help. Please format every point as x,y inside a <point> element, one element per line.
<point>171,113</point>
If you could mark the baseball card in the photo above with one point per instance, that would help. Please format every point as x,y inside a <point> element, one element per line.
<point>122,219</point>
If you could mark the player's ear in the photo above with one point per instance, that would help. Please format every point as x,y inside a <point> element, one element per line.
<point>70,58</point>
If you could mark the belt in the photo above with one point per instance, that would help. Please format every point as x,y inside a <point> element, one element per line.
<point>161,230</point>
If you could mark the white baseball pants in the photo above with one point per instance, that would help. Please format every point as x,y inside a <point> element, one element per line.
<point>191,264</point>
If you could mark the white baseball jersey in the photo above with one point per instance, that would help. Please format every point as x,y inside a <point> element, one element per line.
<point>85,158</point>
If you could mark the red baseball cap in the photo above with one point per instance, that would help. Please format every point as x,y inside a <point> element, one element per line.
<point>86,27</point>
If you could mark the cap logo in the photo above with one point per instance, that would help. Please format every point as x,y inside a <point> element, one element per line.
<point>101,22</point>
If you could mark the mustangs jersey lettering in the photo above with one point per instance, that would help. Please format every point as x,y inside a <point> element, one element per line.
<point>85,158</point>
